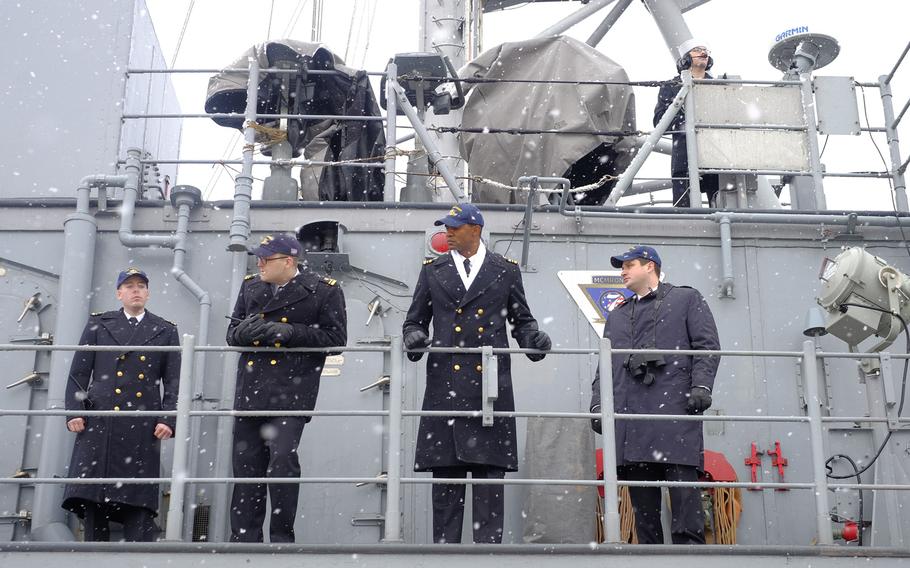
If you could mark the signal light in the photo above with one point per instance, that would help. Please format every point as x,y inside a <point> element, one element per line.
<point>438,243</point>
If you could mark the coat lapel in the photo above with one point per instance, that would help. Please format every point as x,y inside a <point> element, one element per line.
<point>490,272</point>
<point>148,328</point>
<point>445,272</point>
<point>294,291</point>
<point>116,325</point>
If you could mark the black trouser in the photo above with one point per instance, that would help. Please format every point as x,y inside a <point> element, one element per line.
<point>265,447</point>
<point>487,505</point>
<point>708,185</point>
<point>138,522</point>
<point>687,524</point>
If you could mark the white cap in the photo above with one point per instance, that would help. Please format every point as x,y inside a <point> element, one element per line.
<point>690,44</point>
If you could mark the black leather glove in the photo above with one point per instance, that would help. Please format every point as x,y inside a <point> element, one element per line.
<point>278,332</point>
<point>699,400</point>
<point>539,340</point>
<point>416,339</point>
<point>249,330</point>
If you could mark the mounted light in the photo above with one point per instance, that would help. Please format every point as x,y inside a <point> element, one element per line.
<point>860,292</point>
<point>437,244</point>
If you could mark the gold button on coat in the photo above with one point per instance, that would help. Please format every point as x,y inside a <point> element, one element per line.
<point>249,363</point>
<point>480,311</point>
<point>480,330</point>
<point>458,310</point>
<point>457,329</point>
<point>138,395</point>
<point>273,362</point>
<point>284,320</point>
<point>457,367</point>
<point>119,373</point>
<point>117,391</point>
<point>479,368</point>
<point>277,344</point>
<point>116,408</point>
<point>256,343</point>
<point>141,375</point>
<point>142,357</point>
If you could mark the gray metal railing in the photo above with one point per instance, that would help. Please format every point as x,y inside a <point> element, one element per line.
<point>684,101</point>
<point>179,477</point>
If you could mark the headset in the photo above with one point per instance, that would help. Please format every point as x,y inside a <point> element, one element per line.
<point>685,62</point>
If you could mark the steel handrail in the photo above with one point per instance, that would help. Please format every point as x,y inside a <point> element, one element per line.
<point>179,479</point>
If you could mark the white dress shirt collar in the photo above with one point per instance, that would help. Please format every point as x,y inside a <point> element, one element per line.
<point>476,263</point>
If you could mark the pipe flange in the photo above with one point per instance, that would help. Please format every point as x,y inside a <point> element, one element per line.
<point>186,192</point>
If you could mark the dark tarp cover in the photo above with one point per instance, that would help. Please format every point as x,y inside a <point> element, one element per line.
<point>348,92</point>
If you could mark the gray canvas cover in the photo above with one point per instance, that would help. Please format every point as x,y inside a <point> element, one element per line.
<point>564,107</point>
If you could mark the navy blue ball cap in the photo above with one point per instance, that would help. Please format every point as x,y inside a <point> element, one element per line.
<point>277,243</point>
<point>462,214</point>
<point>129,273</point>
<point>644,253</point>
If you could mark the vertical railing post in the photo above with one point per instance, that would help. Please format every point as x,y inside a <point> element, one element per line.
<point>391,131</point>
<point>608,428</point>
<point>691,142</point>
<point>808,99</point>
<point>393,486</point>
<point>900,185</point>
<point>181,440</point>
<point>816,440</point>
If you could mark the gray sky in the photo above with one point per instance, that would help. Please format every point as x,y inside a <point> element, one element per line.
<point>740,33</point>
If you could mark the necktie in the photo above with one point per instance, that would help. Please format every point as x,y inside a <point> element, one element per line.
<point>133,322</point>
<point>467,267</point>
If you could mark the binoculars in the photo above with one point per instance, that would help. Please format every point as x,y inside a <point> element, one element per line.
<point>642,366</point>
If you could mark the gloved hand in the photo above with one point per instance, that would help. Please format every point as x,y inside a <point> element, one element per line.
<point>416,339</point>
<point>249,330</point>
<point>539,340</point>
<point>699,400</point>
<point>278,332</point>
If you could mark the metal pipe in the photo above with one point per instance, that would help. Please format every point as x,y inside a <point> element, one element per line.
<point>390,133</point>
<point>462,350</point>
<point>243,183</point>
<point>608,428</point>
<point>133,169</point>
<point>225,434</point>
<point>726,255</point>
<point>735,217</point>
<point>448,481</point>
<point>244,71</point>
<point>181,441</point>
<point>816,440</point>
<point>393,481</point>
<point>608,22</point>
<point>691,144</point>
<point>133,116</point>
<point>529,213</point>
<point>889,76</point>
<point>662,146</point>
<point>648,187</point>
<point>582,13</point>
<point>808,100</point>
<point>879,175</point>
<point>184,203</point>
<point>897,174</point>
<point>294,162</point>
<point>744,126</point>
<point>670,22</point>
<point>433,153</point>
<point>80,233</point>
<point>626,178</point>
